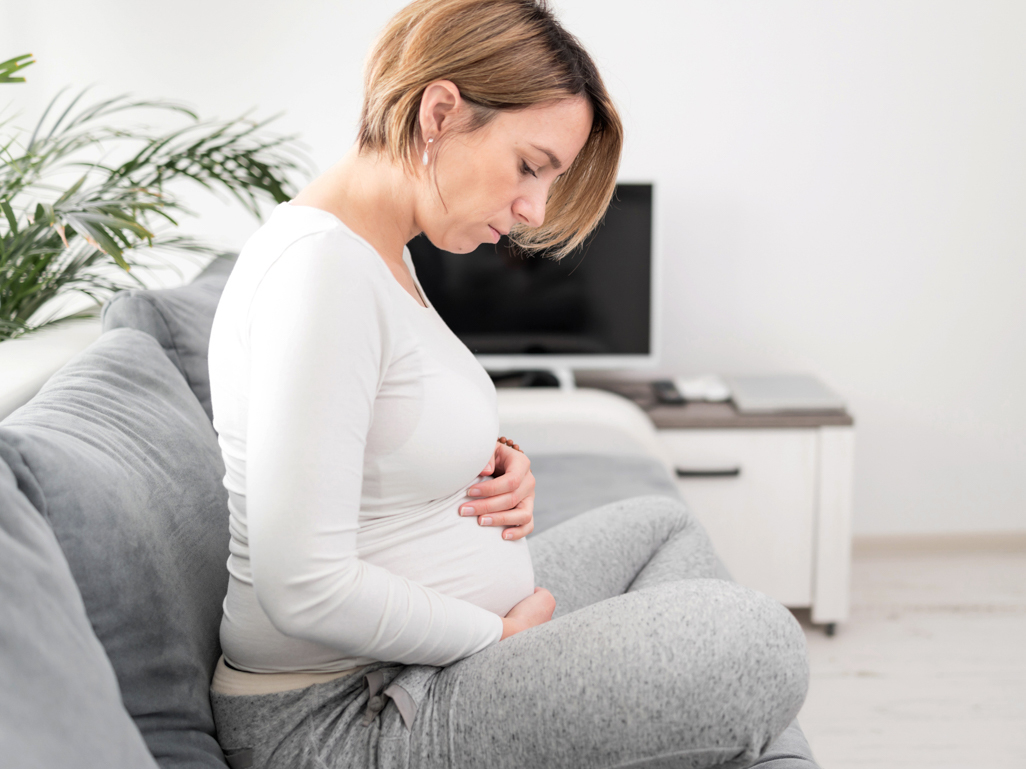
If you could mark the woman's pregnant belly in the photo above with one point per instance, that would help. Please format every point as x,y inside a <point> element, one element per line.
<point>437,547</point>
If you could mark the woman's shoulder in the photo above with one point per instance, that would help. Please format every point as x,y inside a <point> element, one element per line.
<point>312,235</point>
<point>311,244</point>
<point>305,261</point>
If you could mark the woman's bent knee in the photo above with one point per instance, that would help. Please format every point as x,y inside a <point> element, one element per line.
<point>771,651</point>
<point>747,652</point>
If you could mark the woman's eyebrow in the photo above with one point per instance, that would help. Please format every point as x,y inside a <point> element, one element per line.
<point>552,156</point>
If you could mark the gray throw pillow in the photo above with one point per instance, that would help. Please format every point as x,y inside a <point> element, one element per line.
<point>118,456</point>
<point>59,701</point>
<point>179,318</point>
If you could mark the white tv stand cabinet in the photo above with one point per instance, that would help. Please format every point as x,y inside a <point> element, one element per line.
<point>774,492</point>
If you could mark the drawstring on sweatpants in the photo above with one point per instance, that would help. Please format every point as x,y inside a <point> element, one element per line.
<point>376,702</point>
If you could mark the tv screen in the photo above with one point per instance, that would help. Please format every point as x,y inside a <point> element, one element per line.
<point>595,302</point>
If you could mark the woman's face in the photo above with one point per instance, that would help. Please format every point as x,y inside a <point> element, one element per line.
<point>500,175</point>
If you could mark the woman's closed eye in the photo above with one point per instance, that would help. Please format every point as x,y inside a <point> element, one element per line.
<point>526,169</point>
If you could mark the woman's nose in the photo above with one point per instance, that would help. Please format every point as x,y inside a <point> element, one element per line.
<point>530,209</point>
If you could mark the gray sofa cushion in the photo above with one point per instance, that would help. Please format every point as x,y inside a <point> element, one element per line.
<point>568,484</point>
<point>178,318</point>
<point>59,700</point>
<point>117,454</point>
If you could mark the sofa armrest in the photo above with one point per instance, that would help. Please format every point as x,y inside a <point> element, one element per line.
<point>547,421</point>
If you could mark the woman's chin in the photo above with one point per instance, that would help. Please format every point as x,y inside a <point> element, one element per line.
<point>463,245</point>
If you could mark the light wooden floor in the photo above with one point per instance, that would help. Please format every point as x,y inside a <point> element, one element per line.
<point>930,671</point>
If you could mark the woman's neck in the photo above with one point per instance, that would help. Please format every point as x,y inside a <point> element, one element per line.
<point>372,196</point>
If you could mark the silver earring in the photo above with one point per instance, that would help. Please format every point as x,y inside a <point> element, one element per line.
<point>425,158</point>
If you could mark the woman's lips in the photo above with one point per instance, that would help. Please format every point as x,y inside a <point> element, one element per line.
<point>495,234</point>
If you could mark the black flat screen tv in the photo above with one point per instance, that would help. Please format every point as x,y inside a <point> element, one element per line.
<point>592,309</point>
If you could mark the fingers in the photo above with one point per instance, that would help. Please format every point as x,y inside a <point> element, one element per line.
<point>518,521</point>
<point>514,466</point>
<point>496,504</point>
<point>517,516</point>
<point>518,532</point>
<point>501,512</point>
<point>490,467</point>
<point>509,482</point>
<point>500,502</point>
<point>507,500</point>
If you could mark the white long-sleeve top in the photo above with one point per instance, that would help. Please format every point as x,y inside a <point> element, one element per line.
<point>351,421</point>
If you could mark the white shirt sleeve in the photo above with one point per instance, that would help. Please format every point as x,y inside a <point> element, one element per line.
<point>319,347</point>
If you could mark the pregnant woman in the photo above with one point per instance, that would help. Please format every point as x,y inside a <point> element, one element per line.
<point>384,608</point>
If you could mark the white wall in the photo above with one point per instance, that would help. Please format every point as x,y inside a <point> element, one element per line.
<point>843,188</point>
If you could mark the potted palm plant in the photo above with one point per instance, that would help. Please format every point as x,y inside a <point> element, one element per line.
<point>86,195</point>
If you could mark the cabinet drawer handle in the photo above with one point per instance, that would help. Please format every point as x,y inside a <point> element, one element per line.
<point>725,472</point>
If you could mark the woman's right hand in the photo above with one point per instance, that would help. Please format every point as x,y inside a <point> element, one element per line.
<point>533,610</point>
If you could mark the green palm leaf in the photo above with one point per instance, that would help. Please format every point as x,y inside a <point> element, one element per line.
<point>9,67</point>
<point>58,237</point>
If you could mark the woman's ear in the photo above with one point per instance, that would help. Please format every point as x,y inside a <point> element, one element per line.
<point>439,106</point>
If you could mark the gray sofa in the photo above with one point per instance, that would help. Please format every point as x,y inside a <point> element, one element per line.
<point>114,540</point>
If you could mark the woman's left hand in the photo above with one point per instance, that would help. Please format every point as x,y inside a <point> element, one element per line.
<point>508,499</point>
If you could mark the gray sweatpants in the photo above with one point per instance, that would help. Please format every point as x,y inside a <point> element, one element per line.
<point>652,659</point>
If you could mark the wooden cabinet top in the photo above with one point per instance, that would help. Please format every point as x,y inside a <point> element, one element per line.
<point>698,415</point>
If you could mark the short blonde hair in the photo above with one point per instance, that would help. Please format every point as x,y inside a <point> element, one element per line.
<point>502,55</point>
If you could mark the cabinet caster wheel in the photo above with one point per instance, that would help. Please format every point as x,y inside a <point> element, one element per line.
<point>830,628</point>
